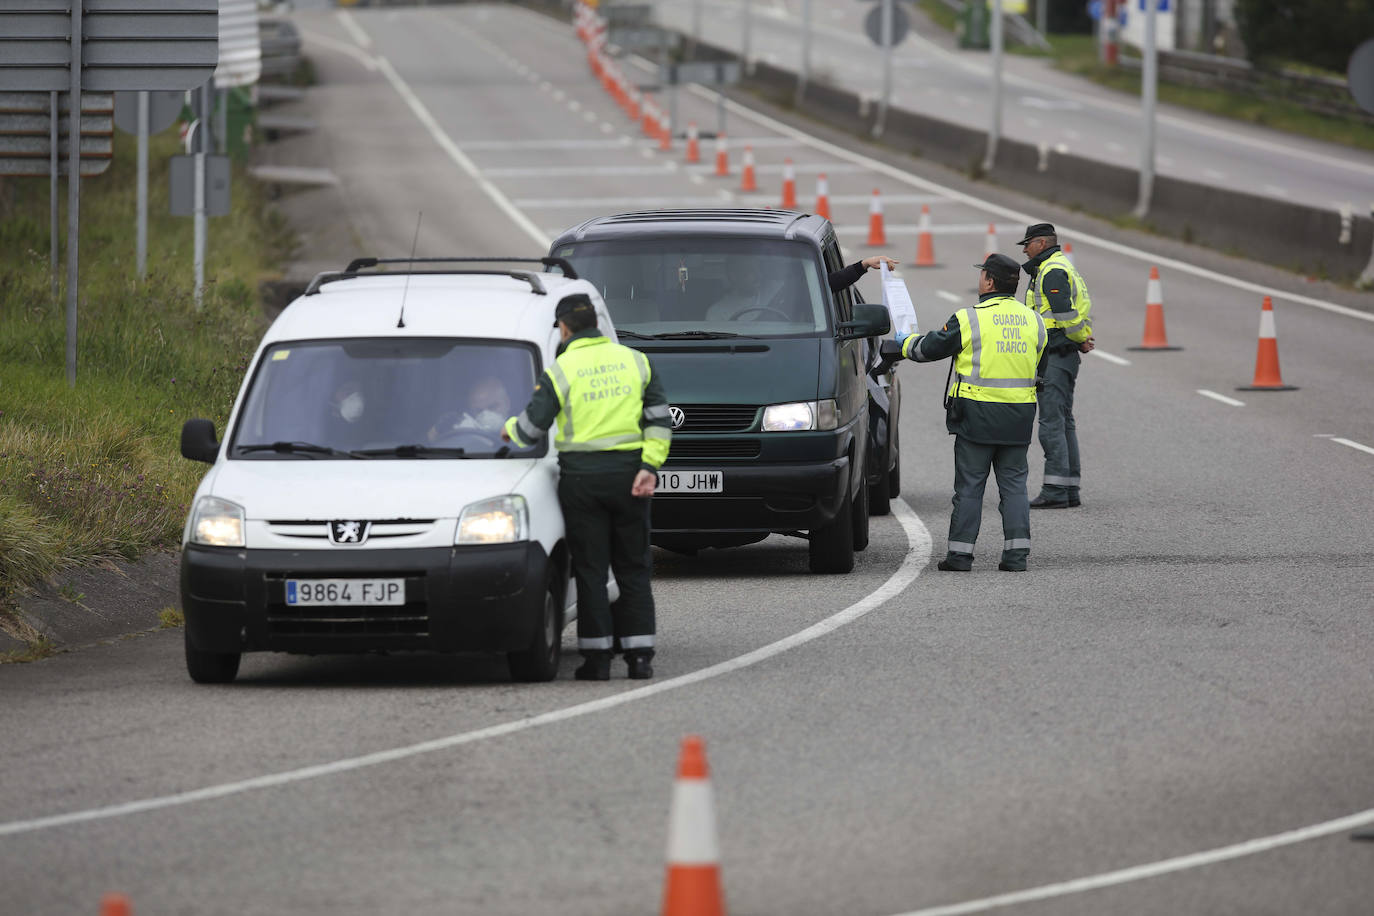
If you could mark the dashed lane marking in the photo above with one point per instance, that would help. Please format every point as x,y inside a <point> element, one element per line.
<point>354,30</point>
<point>918,551</point>
<point>1220,397</point>
<point>1110,357</point>
<point>1353,444</point>
<point>947,295</point>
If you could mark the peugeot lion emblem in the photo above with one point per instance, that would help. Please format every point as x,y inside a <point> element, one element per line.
<point>349,532</point>
<point>678,417</point>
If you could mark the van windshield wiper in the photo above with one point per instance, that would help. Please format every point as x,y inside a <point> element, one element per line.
<point>635,334</point>
<point>290,448</point>
<point>695,335</point>
<point>412,450</point>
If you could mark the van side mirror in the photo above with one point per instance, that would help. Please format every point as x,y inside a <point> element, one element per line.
<point>869,321</point>
<point>198,441</point>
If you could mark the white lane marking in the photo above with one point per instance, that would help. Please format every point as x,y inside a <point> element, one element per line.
<point>541,145</point>
<point>324,41</point>
<point>647,152</point>
<point>607,127</point>
<point>458,156</point>
<point>947,296</point>
<point>919,544</point>
<point>574,105</point>
<point>545,85</point>
<point>559,95</point>
<point>1115,147</point>
<point>1275,190</point>
<point>1323,435</point>
<point>589,116</point>
<point>697,178</point>
<point>1135,253</point>
<point>1111,358</point>
<point>936,229</point>
<point>1353,444</point>
<point>1220,397</point>
<point>1153,869</point>
<point>1214,174</point>
<point>354,30</point>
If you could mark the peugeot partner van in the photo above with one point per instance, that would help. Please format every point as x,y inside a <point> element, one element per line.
<point>362,498</point>
<point>778,426</point>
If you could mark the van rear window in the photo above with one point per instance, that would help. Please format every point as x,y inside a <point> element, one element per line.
<point>385,398</point>
<point>731,286</point>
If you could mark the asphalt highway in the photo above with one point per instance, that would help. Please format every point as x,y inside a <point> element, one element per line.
<point>1040,105</point>
<point>1187,667</point>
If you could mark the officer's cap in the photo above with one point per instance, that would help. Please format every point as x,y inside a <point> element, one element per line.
<point>570,305</point>
<point>1036,231</point>
<point>1001,267</point>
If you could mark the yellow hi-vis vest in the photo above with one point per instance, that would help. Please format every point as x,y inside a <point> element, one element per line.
<point>1002,342</point>
<point>600,387</point>
<point>1075,323</point>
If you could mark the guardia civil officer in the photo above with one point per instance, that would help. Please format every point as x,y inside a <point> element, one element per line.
<point>613,433</point>
<point>1059,295</point>
<point>998,347</point>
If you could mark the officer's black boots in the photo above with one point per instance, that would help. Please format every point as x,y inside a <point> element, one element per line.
<point>596,666</point>
<point>640,669</point>
<point>953,566</point>
<point>1042,502</point>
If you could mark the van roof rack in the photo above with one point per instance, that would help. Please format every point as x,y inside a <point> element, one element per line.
<point>357,265</point>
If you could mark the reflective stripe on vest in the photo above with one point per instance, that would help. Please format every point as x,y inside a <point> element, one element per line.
<point>1075,322</point>
<point>600,386</point>
<point>1002,342</point>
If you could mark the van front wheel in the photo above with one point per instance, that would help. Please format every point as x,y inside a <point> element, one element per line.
<point>540,661</point>
<point>210,667</point>
<point>832,547</point>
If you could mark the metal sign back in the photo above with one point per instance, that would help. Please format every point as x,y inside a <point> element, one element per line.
<point>163,108</point>
<point>706,72</point>
<point>26,133</point>
<point>873,25</point>
<point>182,185</point>
<point>126,44</point>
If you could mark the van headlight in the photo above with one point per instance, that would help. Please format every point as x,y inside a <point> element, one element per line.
<point>217,522</point>
<point>800,415</point>
<point>494,521</point>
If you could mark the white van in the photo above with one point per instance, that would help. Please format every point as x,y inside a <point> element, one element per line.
<point>362,499</point>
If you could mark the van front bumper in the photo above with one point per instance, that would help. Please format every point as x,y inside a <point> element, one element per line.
<point>754,498</point>
<point>457,599</point>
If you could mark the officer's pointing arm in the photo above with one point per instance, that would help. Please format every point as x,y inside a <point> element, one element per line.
<point>532,423</point>
<point>934,345</point>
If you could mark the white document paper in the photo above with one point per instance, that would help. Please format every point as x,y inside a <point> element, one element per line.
<point>898,302</point>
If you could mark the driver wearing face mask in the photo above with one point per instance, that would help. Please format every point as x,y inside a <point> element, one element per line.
<point>347,402</point>
<point>487,407</point>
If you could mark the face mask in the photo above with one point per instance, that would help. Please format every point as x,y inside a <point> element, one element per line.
<point>351,408</point>
<point>490,419</point>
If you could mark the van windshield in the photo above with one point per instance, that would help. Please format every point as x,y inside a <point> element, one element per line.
<point>403,398</point>
<point>690,287</point>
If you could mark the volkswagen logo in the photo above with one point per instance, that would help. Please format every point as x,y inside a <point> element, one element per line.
<point>677,416</point>
<point>349,532</point>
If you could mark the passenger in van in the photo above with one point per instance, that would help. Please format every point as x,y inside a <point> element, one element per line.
<point>486,409</point>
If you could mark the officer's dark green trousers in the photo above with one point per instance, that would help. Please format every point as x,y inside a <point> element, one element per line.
<point>607,527</point>
<point>972,461</point>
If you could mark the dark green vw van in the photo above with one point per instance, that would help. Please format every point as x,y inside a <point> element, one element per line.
<point>778,426</point>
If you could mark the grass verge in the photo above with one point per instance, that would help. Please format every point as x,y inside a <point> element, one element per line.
<point>94,472</point>
<point>1077,54</point>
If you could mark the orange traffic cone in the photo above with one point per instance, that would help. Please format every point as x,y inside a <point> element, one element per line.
<point>991,246</point>
<point>822,196</point>
<point>925,242</point>
<point>877,235</point>
<point>1267,376</point>
<point>789,185</point>
<point>693,886</point>
<point>693,143</point>
<point>1154,338</point>
<point>747,181</point>
<point>1068,251</point>
<point>115,905</point>
<point>722,156</point>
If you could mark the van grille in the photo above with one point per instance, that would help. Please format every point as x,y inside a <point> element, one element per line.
<point>717,418</point>
<point>409,619</point>
<point>714,448</point>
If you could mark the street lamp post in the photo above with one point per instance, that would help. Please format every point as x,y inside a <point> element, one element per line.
<point>995,127</point>
<point>1149,78</point>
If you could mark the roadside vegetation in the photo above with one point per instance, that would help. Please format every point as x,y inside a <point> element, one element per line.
<point>94,472</point>
<point>1077,54</point>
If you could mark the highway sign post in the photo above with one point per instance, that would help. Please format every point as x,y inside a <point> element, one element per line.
<point>145,113</point>
<point>102,46</point>
<point>995,125</point>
